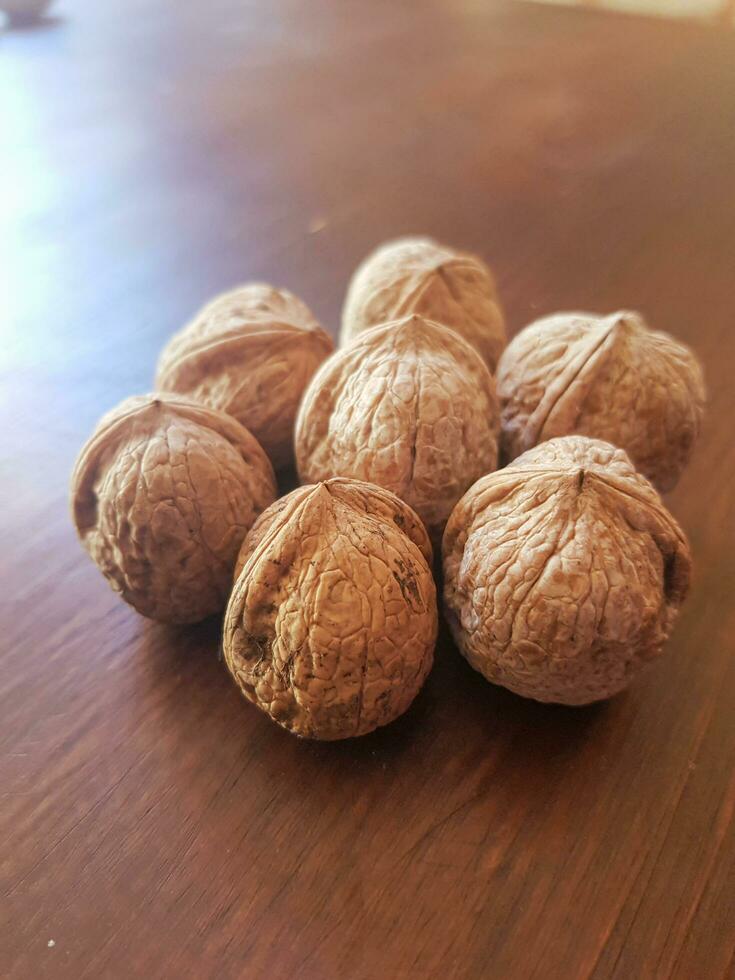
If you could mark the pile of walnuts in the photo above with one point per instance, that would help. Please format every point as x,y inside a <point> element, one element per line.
<point>562,570</point>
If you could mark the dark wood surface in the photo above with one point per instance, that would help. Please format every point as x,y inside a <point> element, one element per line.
<point>152,823</point>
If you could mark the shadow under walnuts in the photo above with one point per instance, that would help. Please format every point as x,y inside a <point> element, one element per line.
<point>457,715</point>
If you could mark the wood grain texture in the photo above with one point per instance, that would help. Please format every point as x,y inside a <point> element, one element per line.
<point>152,823</point>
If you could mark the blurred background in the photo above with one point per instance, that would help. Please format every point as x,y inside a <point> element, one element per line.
<point>723,10</point>
<point>156,152</point>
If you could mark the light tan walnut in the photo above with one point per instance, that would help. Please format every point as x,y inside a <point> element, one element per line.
<point>563,572</point>
<point>410,406</point>
<point>162,497</point>
<point>250,353</point>
<point>610,378</point>
<point>418,275</point>
<point>332,621</point>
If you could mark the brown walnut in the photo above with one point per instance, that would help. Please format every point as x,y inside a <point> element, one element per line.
<point>563,572</point>
<point>162,496</point>
<point>609,378</point>
<point>331,625</point>
<point>418,275</point>
<point>250,353</point>
<point>410,406</point>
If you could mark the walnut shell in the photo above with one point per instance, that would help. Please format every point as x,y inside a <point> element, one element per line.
<point>409,406</point>
<point>332,621</point>
<point>610,378</point>
<point>564,572</point>
<point>250,353</point>
<point>418,275</point>
<point>162,496</point>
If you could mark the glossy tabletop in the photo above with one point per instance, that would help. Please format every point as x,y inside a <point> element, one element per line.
<point>154,824</point>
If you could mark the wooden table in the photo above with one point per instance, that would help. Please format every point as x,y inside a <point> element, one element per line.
<point>153,824</point>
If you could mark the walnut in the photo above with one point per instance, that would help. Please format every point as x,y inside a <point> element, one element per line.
<point>611,378</point>
<point>564,572</point>
<point>162,496</point>
<point>250,353</point>
<point>410,406</point>
<point>418,275</point>
<point>332,621</point>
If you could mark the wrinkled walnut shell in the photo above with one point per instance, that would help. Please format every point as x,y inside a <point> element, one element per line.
<point>563,572</point>
<point>250,353</point>
<point>332,621</point>
<point>409,406</point>
<point>609,378</point>
<point>162,496</point>
<point>418,275</point>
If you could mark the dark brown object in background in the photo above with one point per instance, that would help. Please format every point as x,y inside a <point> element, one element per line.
<point>153,824</point>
